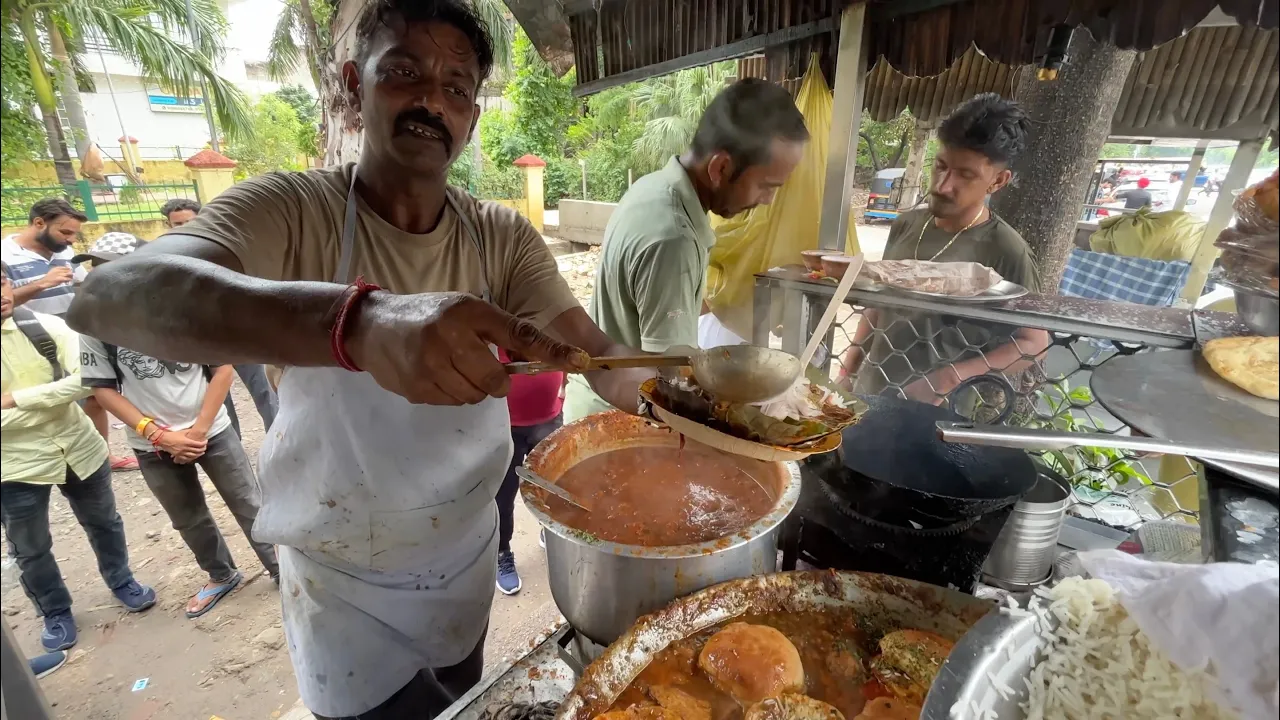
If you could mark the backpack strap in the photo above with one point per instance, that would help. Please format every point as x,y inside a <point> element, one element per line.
<point>40,338</point>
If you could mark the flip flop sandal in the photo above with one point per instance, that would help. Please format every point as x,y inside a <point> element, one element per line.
<point>217,593</point>
<point>124,464</point>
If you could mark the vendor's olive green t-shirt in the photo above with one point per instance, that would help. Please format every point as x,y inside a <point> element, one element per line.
<point>649,283</point>
<point>915,343</point>
<point>288,226</point>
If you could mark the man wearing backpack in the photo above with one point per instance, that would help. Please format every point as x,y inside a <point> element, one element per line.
<point>175,419</point>
<point>48,441</point>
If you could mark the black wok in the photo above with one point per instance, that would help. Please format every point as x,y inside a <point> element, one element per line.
<point>893,467</point>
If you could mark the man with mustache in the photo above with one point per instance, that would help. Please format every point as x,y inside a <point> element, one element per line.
<point>925,356</point>
<point>648,291</point>
<point>383,292</point>
<point>43,277</point>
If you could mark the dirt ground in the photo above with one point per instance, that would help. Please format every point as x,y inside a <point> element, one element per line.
<point>230,664</point>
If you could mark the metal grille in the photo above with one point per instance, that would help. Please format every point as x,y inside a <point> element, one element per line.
<point>911,351</point>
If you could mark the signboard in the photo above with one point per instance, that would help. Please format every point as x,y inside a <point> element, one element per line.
<point>162,101</point>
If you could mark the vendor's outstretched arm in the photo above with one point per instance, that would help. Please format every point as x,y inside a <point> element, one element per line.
<point>618,387</point>
<point>185,299</point>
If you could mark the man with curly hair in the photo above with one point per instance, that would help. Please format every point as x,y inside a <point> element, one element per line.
<point>925,356</point>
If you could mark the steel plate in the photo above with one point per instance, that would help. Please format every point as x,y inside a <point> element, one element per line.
<point>1175,395</point>
<point>1001,291</point>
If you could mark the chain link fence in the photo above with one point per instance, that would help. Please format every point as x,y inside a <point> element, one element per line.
<point>1033,364</point>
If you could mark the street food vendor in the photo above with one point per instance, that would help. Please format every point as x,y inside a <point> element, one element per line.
<point>379,474</point>
<point>649,284</point>
<point>922,355</point>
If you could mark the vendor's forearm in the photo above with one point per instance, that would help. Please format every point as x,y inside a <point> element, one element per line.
<point>1010,358</point>
<point>189,310</point>
<point>27,292</point>
<point>620,388</point>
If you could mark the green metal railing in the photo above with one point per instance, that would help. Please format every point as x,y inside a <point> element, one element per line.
<point>97,202</point>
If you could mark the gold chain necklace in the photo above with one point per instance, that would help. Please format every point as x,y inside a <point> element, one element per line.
<point>925,226</point>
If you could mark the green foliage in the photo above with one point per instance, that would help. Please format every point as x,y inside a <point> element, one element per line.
<point>274,146</point>
<point>500,182</point>
<point>561,179</point>
<point>542,104</point>
<point>884,144</point>
<point>462,173</point>
<point>670,107</point>
<point>1094,468</point>
<point>22,138</point>
<point>307,108</point>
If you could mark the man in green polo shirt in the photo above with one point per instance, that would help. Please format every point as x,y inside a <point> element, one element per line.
<point>649,283</point>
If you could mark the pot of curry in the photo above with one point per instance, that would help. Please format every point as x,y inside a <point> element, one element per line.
<point>667,517</point>
<point>815,645</point>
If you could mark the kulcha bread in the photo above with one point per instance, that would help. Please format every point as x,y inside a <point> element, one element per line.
<point>1251,363</point>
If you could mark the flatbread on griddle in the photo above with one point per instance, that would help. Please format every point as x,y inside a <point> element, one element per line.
<point>1250,363</point>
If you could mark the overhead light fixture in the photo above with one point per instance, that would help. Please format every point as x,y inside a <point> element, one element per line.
<point>1055,55</point>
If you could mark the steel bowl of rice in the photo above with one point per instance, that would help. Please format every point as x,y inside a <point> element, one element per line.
<point>1071,652</point>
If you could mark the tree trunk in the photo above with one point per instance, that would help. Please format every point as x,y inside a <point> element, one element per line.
<point>70,92</point>
<point>897,154</point>
<point>911,190</point>
<point>314,47</point>
<point>876,165</point>
<point>1070,122</point>
<point>342,125</point>
<point>47,101</point>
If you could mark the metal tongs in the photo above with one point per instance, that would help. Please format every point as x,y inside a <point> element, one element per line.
<point>1033,439</point>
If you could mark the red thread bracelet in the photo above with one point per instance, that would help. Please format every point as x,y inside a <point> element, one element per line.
<point>338,336</point>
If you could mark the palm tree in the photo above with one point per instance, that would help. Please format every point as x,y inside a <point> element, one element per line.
<point>139,30</point>
<point>299,21</point>
<point>302,30</point>
<point>671,106</point>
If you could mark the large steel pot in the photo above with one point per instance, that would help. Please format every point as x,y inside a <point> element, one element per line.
<point>884,604</point>
<point>602,587</point>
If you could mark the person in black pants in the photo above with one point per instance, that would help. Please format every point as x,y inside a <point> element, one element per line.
<point>534,403</point>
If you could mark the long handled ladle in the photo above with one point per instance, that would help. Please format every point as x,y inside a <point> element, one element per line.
<point>541,483</point>
<point>732,373</point>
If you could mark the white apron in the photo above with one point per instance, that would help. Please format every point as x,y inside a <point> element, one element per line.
<point>384,512</point>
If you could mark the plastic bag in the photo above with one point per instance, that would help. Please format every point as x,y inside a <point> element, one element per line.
<point>1251,248</point>
<point>1170,235</point>
<point>773,235</point>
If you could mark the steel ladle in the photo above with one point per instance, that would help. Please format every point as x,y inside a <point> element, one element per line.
<point>731,373</point>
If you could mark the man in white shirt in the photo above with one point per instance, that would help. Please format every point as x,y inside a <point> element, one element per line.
<point>176,420</point>
<point>44,275</point>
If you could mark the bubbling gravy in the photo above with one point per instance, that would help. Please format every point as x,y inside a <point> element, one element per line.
<point>662,496</point>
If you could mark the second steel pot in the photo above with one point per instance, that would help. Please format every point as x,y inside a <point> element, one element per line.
<point>602,587</point>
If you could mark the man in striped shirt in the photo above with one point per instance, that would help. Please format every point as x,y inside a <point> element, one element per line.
<point>44,278</point>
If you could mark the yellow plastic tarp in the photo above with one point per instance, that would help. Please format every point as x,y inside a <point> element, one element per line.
<point>773,235</point>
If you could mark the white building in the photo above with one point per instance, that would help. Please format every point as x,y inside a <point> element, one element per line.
<point>175,128</point>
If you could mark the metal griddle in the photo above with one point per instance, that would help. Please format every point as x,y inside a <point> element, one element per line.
<point>1175,395</point>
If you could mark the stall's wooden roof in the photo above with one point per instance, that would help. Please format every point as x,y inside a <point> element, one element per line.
<point>1213,82</point>
<point>617,41</point>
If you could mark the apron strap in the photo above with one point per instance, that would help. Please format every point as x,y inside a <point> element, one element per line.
<point>474,235</point>
<point>343,276</point>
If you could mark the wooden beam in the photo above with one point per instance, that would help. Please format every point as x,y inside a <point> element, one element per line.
<point>706,57</point>
<point>846,116</point>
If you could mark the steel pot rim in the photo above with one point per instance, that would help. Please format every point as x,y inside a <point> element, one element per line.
<point>782,507</point>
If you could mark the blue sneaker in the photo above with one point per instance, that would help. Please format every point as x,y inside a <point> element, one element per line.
<point>135,597</point>
<point>508,578</point>
<point>59,632</point>
<point>43,665</point>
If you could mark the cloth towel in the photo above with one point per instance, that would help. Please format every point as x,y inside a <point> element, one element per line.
<point>1099,276</point>
<point>1221,615</point>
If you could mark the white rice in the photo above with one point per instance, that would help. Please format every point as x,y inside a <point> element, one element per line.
<point>1097,664</point>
